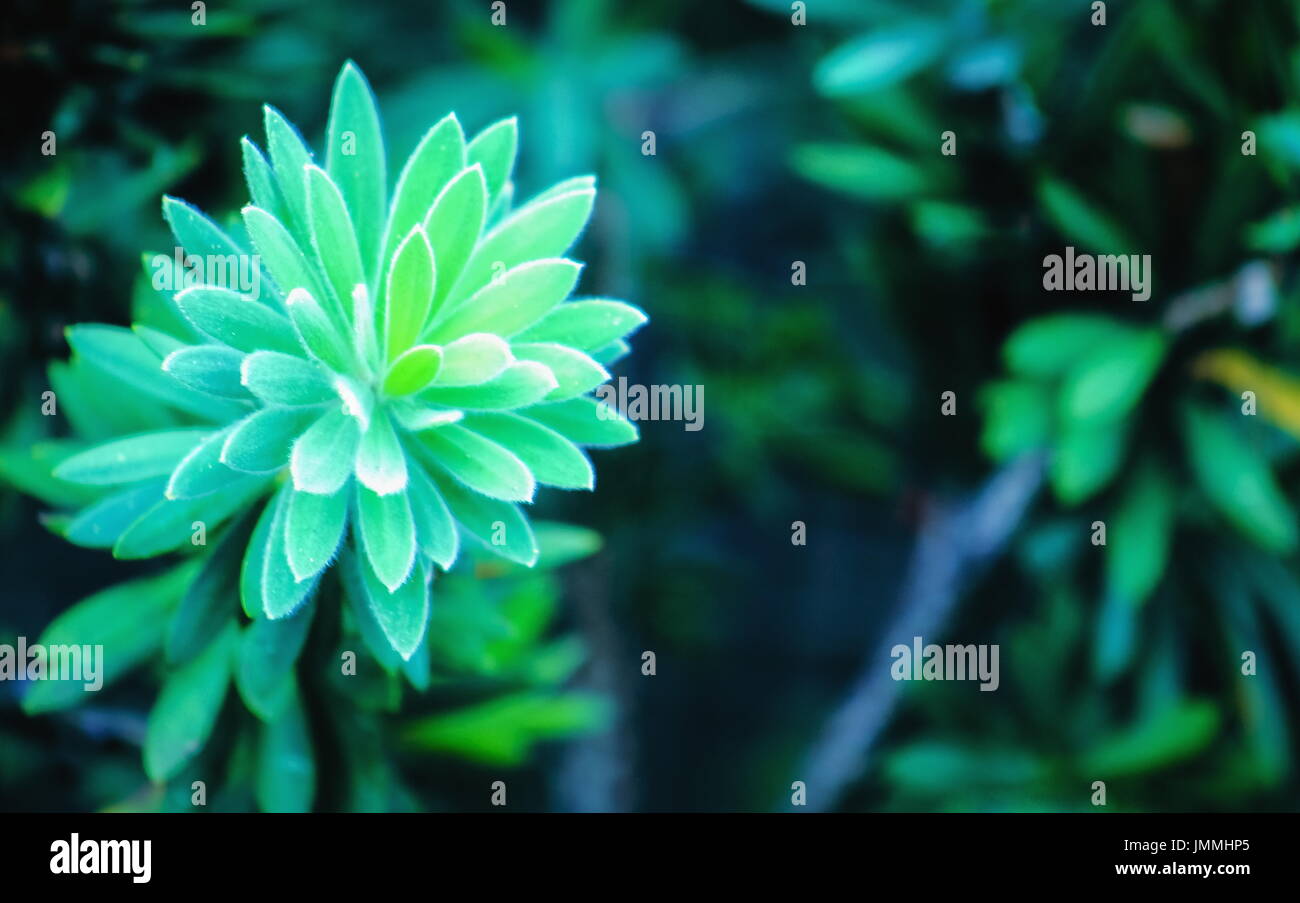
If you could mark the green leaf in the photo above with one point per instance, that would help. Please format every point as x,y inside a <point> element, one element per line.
<point>586,421</point>
<point>500,526</point>
<point>1048,347</point>
<point>318,333</point>
<point>388,535</point>
<point>413,370</point>
<point>1085,458</point>
<point>537,231</point>
<point>1018,417</point>
<point>455,222</point>
<point>435,530</point>
<point>1238,482</point>
<point>1175,734</point>
<point>521,384</point>
<point>355,159</point>
<point>213,369</point>
<point>586,325</point>
<point>550,457</point>
<point>563,544</point>
<point>322,458</point>
<point>267,587</point>
<point>127,620</point>
<point>1108,383</point>
<point>505,306</point>
<point>574,371</point>
<point>286,764</point>
<point>410,293</point>
<point>862,171</point>
<point>494,150</point>
<point>289,157</point>
<point>878,59</point>
<point>268,650</point>
<point>503,731</point>
<point>1079,220</point>
<point>480,463</point>
<point>1137,542</point>
<point>236,320</point>
<point>131,459</point>
<point>211,599</point>
<point>282,379</point>
<point>260,443</point>
<point>201,471</point>
<point>314,527</point>
<point>186,711</point>
<point>438,157</point>
<point>473,360</point>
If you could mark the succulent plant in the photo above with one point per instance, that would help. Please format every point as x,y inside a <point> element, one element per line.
<point>402,371</point>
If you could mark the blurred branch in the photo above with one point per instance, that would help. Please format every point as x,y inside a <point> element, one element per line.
<point>955,541</point>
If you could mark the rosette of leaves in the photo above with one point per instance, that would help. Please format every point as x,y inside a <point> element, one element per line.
<point>409,372</point>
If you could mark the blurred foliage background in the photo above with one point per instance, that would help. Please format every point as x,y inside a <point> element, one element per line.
<point>776,143</point>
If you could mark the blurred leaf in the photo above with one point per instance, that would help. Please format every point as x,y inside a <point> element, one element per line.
<point>1079,220</point>
<point>879,59</point>
<point>1157,742</point>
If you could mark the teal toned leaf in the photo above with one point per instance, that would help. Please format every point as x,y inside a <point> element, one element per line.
<point>520,384</point>
<point>438,157</point>
<point>261,181</point>
<point>267,586</point>
<point>500,526</point>
<point>186,711</point>
<point>1238,482</point>
<point>494,150</point>
<point>286,762</point>
<point>285,259</point>
<point>127,620</point>
<point>1085,459</point>
<point>283,379</point>
<point>314,526</point>
<point>537,231</point>
<point>387,534</point>
<point>322,458</point>
<point>508,305</point>
<point>575,373</point>
<point>586,421</point>
<point>333,235</point>
<point>1080,221</point>
<point>197,234</point>
<point>455,222</point>
<point>480,463</point>
<point>100,525</point>
<point>289,156</point>
<point>878,59</point>
<point>211,599</point>
<point>201,472</point>
<point>318,333</point>
<point>132,458</point>
<point>260,443</point>
<point>473,360</point>
<point>381,463</point>
<point>235,320</point>
<point>586,325</point>
<point>266,656</point>
<point>1139,535</point>
<point>402,614</point>
<point>213,369</point>
<point>1049,346</point>
<point>435,530</point>
<point>171,523</point>
<point>356,160</point>
<point>550,457</point>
